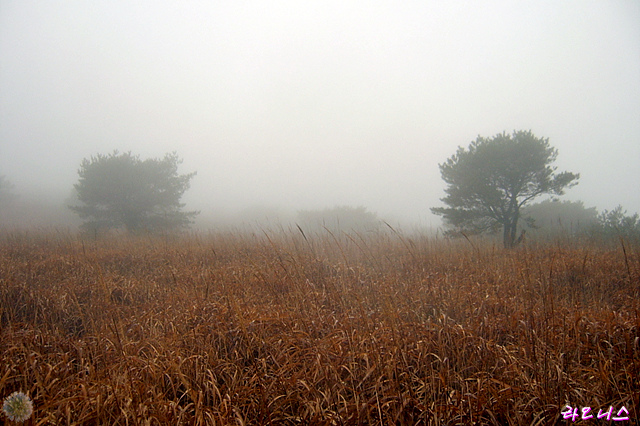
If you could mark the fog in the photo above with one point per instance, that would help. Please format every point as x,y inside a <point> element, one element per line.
<point>283,106</point>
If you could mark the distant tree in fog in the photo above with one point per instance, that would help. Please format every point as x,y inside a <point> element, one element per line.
<point>121,190</point>
<point>552,218</point>
<point>489,182</point>
<point>617,223</point>
<point>6,191</point>
<point>343,218</point>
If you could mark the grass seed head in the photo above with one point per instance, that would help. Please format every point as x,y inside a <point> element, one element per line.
<point>18,407</point>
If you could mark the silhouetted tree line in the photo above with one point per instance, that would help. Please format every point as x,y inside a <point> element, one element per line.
<point>490,187</point>
<point>340,218</point>
<point>554,219</point>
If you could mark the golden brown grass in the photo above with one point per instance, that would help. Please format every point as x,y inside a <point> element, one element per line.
<point>286,328</point>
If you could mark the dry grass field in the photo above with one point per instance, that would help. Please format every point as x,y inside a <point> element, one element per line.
<point>286,328</point>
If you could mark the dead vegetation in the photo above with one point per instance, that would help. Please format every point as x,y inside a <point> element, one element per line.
<point>287,328</point>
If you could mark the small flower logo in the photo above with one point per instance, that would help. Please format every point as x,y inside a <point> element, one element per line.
<point>18,407</point>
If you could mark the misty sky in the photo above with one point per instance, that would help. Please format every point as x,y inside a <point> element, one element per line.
<point>313,104</point>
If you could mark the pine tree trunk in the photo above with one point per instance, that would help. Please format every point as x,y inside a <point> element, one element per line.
<point>506,237</point>
<point>514,228</point>
<point>509,235</point>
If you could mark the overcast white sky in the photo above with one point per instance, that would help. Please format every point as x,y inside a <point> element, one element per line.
<point>312,104</point>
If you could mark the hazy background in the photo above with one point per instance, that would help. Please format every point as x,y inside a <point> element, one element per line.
<point>288,105</point>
